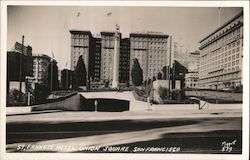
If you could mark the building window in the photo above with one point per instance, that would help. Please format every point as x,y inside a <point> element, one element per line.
<point>238,49</point>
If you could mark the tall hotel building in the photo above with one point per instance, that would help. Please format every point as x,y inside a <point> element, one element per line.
<point>82,43</point>
<point>151,51</point>
<point>221,56</point>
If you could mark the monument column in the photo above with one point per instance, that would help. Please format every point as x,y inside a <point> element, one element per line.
<point>116,56</point>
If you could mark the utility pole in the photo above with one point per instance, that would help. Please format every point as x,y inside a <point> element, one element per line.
<point>169,69</point>
<point>147,89</point>
<point>20,72</point>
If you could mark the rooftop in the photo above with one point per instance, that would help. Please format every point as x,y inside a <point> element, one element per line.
<point>229,21</point>
<point>149,34</point>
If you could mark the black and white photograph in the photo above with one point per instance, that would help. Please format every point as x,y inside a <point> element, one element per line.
<point>133,80</point>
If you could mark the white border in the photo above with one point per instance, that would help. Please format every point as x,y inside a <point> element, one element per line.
<point>114,156</point>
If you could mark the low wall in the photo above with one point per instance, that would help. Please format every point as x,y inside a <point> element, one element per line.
<point>215,95</point>
<point>17,110</point>
<point>78,102</point>
<point>72,103</point>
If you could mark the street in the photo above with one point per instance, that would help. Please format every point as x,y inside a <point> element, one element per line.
<point>131,133</point>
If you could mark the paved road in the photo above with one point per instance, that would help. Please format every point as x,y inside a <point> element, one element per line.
<point>188,135</point>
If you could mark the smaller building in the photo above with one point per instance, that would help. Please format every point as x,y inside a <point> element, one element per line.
<point>40,65</point>
<point>191,80</point>
<point>194,60</point>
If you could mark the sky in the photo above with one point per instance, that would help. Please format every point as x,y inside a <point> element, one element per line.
<point>46,28</point>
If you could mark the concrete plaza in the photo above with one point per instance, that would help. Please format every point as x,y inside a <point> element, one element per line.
<point>183,126</point>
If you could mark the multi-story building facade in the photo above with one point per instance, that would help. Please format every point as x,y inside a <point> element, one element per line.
<point>40,66</point>
<point>191,80</point>
<point>107,55</point>
<point>97,59</point>
<point>221,56</point>
<point>124,60</point>
<point>193,61</point>
<point>151,51</point>
<point>82,43</point>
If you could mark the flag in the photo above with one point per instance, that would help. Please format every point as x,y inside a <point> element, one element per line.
<point>109,14</point>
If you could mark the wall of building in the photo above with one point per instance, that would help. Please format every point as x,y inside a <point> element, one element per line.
<point>221,56</point>
<point>40,66</point>
<point>124,61</point>
<point>97,60</point>
<point>191,80</point>
<point>150,50</point>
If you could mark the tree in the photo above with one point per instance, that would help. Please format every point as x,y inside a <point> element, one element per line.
<point>154,79</point>
<point>80,73</point>
<point>159,75</point>
<point>136,73</point>
<point>162,91</point>
<point>164,71</point>
<point>54,74</point>
<point>66,78</point>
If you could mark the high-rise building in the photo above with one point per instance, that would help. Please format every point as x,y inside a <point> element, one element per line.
<point>82,43</point>
<point>40,68</point>
<point>151,51</point>
<point>107,55</point>
<point>124,60</point>
<point>97,58</point>
<point>221,56</point>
